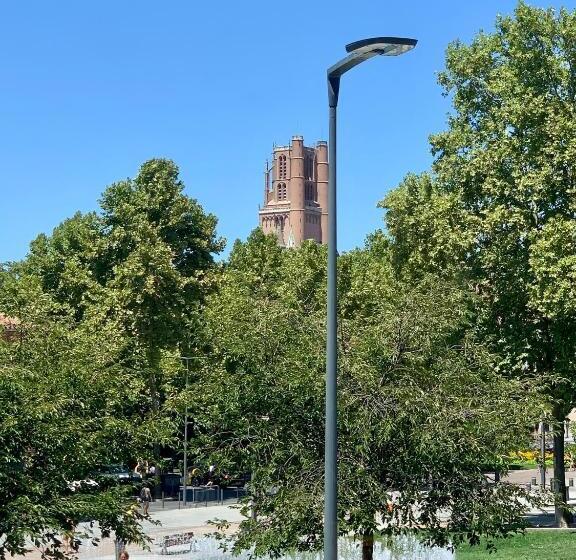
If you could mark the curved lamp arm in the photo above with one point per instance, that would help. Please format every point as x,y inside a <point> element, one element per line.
<point>361,51</point>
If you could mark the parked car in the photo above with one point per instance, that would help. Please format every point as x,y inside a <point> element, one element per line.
<point>119,473</point>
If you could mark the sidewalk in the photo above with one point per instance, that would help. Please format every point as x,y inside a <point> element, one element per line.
<point>170,520</point>
<point>162,522</point>
<point>542,518</point>
<point>192,518</point>
<point>528,476</point>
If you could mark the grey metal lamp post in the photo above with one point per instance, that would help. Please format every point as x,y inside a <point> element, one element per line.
<point>358,52</point>
<point>185,464</point>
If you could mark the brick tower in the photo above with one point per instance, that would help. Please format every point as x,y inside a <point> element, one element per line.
<point>296,193</point>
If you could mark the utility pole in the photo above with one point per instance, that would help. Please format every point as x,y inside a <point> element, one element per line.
<point>185,462</point>
<point>185,465</point>
<point>542,455</point>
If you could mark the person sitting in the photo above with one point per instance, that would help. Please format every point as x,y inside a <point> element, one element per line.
<point>195,477</point>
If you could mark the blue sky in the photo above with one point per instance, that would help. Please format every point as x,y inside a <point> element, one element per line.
<point>90,90</point>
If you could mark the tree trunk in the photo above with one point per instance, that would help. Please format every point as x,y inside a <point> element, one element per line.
<point>253,508</point>
<point>563,517</point>
<point>368,545</point>
<point>153,356</point>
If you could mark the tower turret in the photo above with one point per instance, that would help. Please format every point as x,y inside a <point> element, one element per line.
<point>322,185</point>
<point>297,189</point>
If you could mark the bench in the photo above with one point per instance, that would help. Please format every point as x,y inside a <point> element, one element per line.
<point>176,543</point>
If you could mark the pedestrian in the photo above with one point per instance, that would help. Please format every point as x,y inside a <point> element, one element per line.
<point>210,475</point>
<point>146,498</point>
<point>70,541</point>
<point>121,550</point>
<point>195,477</point>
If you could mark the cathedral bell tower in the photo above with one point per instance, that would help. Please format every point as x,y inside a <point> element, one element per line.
<point>296,193</point>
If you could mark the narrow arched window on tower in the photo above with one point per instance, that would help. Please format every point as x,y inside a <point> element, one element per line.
<point>282,167</point>
<point>282,191</point>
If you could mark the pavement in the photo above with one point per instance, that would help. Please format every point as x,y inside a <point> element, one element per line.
<point>177,520</point>
<point>531,476</point>
<point>163,521</point>
<point>170,518</point>
<point>542,518</point>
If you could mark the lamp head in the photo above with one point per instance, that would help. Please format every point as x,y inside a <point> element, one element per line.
<point>358,52</point>
<point>389,46</point>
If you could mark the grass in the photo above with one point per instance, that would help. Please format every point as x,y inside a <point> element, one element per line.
<point>520,465</point>
<point>534,545</point>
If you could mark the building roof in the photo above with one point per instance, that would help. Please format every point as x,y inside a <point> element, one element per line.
<point>9,323</point>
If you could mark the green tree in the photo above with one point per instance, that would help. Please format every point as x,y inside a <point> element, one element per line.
<point>69,263</point>
<point>422,413</point>
<point>101,302</point>
<point>498,208</point>
<point>140,266</point>
<point>69,404</point>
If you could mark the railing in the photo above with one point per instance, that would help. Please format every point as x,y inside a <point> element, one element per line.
<point>210,493</point>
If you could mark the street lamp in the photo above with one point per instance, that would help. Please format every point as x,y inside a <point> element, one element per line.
<point>359,51</point>
<point>185,465</point>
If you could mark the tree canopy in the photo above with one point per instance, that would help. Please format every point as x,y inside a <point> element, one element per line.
<point>498,208</point>
<point>70,404</point>
<point>101,301</point>
<point>422,414</point>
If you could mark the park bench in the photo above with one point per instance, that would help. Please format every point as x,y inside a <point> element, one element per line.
<point>176,543</point>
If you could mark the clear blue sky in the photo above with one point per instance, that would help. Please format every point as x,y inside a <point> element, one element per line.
<point>90,90</point>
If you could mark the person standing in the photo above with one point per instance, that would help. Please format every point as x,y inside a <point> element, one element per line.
<point>120,550</point>
<point>152,481</point>
<point>146,498</point>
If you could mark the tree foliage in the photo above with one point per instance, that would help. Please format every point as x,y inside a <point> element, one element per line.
<point>101,302</point>
<point>69,405</point>
<point>499,206</point>
<point>421,411</point>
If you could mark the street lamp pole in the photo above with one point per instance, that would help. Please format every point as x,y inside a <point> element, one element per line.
<point>185,462</point>
<point>543,455</point>
<point>358,52</point>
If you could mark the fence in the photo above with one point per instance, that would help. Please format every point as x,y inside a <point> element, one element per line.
<point>202,495</point>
